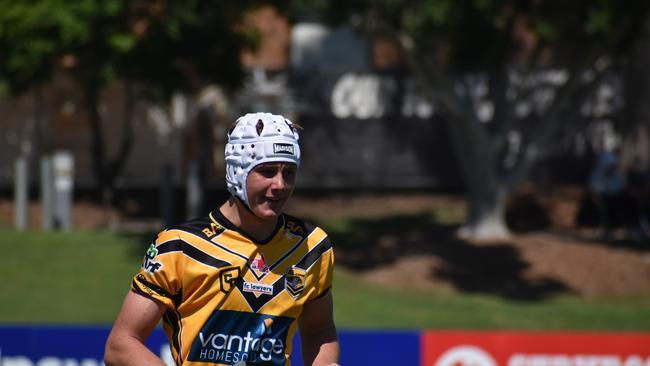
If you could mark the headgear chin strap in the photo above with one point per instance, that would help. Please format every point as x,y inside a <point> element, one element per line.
<point>255,139</point>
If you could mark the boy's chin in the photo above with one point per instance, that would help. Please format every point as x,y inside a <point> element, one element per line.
<point>267,213</point>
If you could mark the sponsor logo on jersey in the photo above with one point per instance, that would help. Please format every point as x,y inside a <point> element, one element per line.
<point>212,230</point>
<point>148,264</point>
<point>295,228</point>
<point>228,277</point>
<point>258,288</point>
<point>259,265</point>
<point>231,337</point>
<point>294,281</point>
<point>283,149</point>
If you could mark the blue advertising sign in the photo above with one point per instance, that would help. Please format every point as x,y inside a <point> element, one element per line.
<point>52,345</point>
<point>84,346</point>
<point>380,348</point>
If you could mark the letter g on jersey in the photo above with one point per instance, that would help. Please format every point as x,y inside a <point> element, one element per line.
<point>228,278</point>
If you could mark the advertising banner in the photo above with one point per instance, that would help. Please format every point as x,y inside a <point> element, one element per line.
<point>493,348</point>
<point>84,346</point>
<point>40,345</point>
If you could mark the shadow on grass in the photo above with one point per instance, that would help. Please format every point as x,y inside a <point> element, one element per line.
<point>525,214</point>
<point>497,268</point>
<point>365,244</point>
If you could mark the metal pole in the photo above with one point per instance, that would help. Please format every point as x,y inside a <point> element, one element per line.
<point>47,194</point>
<point>21,192</point>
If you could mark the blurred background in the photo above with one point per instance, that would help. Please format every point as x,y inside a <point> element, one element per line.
<point>479,165</point>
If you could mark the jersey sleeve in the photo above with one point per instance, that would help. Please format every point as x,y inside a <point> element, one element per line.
<point>159,277</point>
<point>323,269</point>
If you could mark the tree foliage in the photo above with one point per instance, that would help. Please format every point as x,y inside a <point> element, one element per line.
<point>156,47</point>
<point>34,36</point>
<point>164,44</point>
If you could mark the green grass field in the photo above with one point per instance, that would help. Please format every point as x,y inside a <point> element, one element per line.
<point>82,277</point>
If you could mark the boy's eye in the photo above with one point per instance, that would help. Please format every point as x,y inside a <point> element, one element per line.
<point>267,172</point>
<point>271,171</point>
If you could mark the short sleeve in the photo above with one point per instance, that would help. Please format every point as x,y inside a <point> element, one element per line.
<point>323,270</point>
<point>159,277</point>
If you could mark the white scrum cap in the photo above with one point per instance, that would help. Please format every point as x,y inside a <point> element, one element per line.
<point>258,138</point>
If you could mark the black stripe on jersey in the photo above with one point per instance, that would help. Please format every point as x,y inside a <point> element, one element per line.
<point>223,220</point>
<point>285,256</point>
<point>198,226</point>
<point>307,229</point>
<point>139,291</point>
<point>172,318</point>
<point>190,251</point>
<point>226,249</point>
<point>170,246</point>
<point>157,289</point>
<point>315,254</point>
<point>272,266</point>
<point>256,303</point>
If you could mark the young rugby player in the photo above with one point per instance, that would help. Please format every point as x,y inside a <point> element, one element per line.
<point>233,287</point>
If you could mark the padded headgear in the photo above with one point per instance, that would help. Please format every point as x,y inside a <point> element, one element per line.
<point>258,138</point>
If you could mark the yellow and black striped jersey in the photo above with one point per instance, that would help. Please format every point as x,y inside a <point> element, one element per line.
<point>230,299</point>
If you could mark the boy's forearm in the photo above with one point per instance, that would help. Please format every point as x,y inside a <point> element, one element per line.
<point>127,351</point>
<point>321,349</point>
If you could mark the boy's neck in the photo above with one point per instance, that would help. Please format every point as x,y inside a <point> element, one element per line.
<point>259,229</point>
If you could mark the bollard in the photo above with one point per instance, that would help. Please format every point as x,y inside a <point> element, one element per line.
<point>21,192</point>
<point>63,168</point>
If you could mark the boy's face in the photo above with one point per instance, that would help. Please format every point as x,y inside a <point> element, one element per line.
<point>269,186</point>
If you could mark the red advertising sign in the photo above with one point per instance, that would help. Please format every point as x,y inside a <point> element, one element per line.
<point>492,348</point>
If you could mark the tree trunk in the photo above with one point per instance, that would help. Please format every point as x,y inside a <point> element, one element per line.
<point>106,171</point>
<point>487,193</point>
<point>486,184</point>
<point>117,163</point>
<point>97,149</point>
<point>486,214</point>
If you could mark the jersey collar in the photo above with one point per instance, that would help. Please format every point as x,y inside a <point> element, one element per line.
<point>218,218</point>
